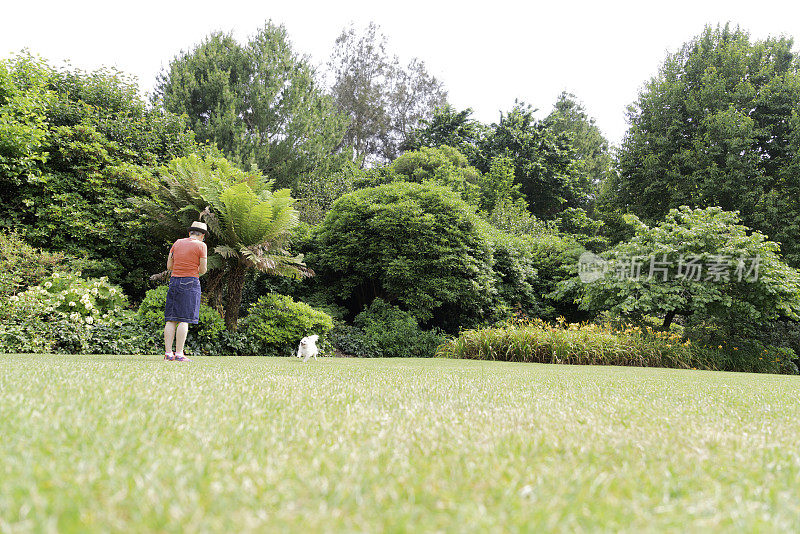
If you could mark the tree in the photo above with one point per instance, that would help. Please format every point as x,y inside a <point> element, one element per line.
<point>591,147</point>
<point>259,103</point>
<point>384,100</point>
<point>699,264</point>
<point>449,127</point>
<point>71,142</point>
<point>544,161</point>
<point>718,127</point>
<point>249,223</point>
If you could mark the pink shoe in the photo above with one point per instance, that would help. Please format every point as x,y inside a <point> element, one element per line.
<point>181,358</point>
<point>169,356</point>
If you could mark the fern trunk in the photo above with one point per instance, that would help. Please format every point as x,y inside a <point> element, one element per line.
<point>234,301</point>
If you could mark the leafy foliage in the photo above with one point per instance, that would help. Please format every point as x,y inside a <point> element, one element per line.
<point>737,297</point>
<point>592,151</point>
<point>384,100</point>
<point>84,135</point>
<point>449,127</point>
<point>386,331</point>
<point>544,161</point>
<point>718,126</point>
<point>21,265</point>
<point>24,97</point>
<point>259,103</point>
<point>547,168</point>
<point>276,324</point>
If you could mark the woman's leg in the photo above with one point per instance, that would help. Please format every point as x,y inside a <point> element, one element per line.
<point>169,336</point>
<point>180,340</point>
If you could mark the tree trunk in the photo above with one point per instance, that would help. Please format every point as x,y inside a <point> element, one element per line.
<point>234,294</point>
<point>214,287</point>
<point>668,320</point>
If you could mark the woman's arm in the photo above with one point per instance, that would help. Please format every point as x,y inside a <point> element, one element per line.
<point>170,261</point>
<point>203,266</point>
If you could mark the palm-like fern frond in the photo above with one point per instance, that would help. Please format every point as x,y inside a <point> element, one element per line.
<point>248,222</point>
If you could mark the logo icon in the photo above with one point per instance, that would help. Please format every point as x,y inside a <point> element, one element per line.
<point>591,267</point>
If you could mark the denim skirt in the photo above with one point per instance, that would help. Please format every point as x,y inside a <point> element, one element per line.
<point>183,300</point>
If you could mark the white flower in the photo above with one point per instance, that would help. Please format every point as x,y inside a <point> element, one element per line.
<point>14,298</point>
<point>56,275</point>
<point>48,285</point>
<point>72,304</point>
<point>88,305</point>
<point>94,291</point>
<point>113,291</point>
<point>105,316</point>
<point>90,319</point>
<point>95,311</point>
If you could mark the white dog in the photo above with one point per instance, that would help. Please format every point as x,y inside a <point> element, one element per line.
<point>308,348</point>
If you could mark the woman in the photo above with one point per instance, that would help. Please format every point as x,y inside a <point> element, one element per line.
<point>188,260</point>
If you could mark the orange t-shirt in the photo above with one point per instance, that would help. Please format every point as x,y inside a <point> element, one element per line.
<point>186,255</point>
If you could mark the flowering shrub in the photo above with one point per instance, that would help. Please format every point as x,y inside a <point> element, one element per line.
<point>590,344</point>
<point>93,301</point>
<point>66,314</point>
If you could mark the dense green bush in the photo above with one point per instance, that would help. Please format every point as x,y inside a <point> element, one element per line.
<point>418,246</point>
<point>422,248</point>
<point>528,269</point>
<point>68,314</point>
<point>84,136</point>
<point>21,265</point>
<point>275,324</point>
<point>732,351</point>
<point>205,337</point>
<point>60,335</point>
<point>383,330</point>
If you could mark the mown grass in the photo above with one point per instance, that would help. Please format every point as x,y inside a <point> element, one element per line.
<point>259,444</point>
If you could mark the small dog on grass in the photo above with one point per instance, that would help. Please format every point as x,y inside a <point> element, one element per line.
<point>308,348</point>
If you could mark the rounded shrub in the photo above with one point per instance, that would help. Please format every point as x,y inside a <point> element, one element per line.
<point>418,246</point>
<point>276,323</point>
<point>386,331</point>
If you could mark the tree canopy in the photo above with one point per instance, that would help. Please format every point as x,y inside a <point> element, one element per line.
<point>697,263</point>
<point>384,100</point>
<point>718,126</point>
<point>260,103</point>
<point>71,144</point>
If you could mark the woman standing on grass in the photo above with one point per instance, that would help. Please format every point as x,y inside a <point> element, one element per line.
<point>188,260</point>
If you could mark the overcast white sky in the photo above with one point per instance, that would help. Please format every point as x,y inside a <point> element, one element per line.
<point>487,53</point>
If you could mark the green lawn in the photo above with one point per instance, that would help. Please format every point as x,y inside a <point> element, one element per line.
<point>106,443</point>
